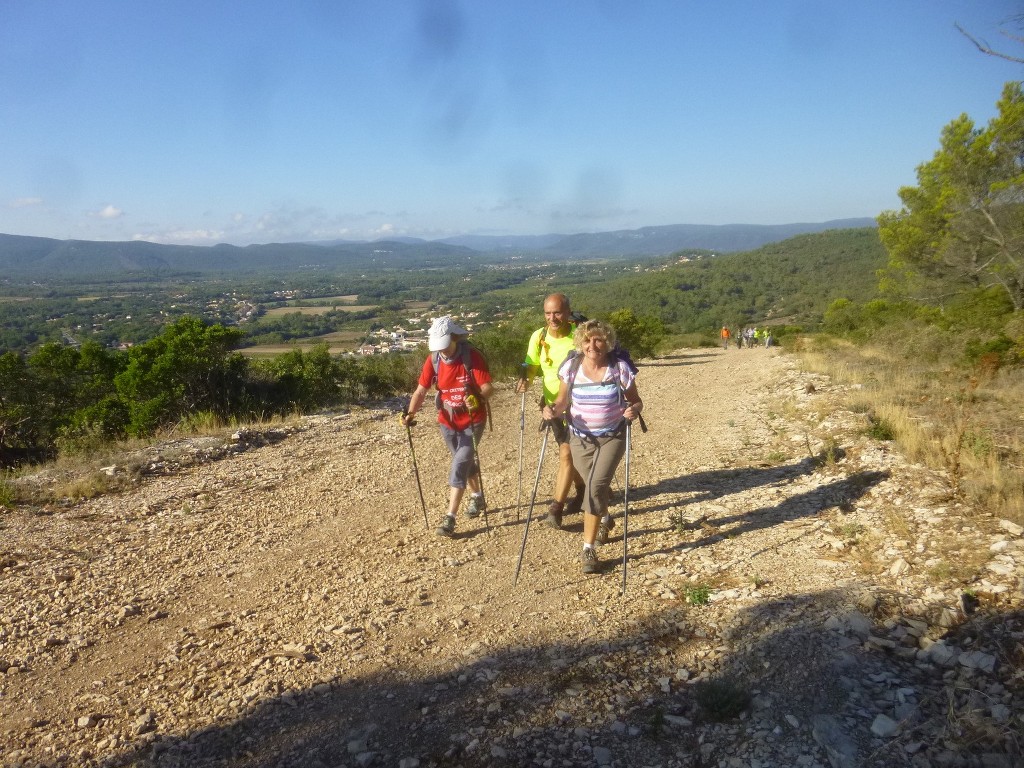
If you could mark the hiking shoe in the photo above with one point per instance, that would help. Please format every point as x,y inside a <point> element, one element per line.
<point>446,528</point>
<point>589,560</point>
<point>553,519</point>
<point>575,504</point>
<point>476,506</point>
<point>605,528</point>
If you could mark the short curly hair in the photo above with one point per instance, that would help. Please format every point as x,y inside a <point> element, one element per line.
<point>590,328</point>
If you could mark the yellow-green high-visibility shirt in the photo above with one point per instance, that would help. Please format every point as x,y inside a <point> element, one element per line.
<point>549,358</point>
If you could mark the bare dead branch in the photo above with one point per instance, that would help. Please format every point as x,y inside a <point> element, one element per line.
<point>985,48</point>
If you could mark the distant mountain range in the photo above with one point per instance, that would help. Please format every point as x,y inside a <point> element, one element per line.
<point>40,257</point>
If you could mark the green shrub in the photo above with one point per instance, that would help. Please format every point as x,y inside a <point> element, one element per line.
<point>504,345</point>
<point>7,493</point>
<point>722,698</point>
<point>993,351</point>
<point>699,594</point>
<point>640,335</point>
<point>879,429</point>
<point>199,422</point>
<point>382,376</point>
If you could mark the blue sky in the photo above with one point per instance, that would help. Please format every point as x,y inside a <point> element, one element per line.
<point>243,122</point>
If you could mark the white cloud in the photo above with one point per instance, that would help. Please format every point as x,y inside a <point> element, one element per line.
<point>26,202</point>
<point>284,224</point>
<point>183,237</point>
<point>110,212</point>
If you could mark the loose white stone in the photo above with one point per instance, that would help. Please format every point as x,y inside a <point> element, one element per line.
<point>941,654</point>
<point>977,660</point>
<point>677,721</point>
<point>899,567</point>
<point>1000,713</point>
<point>858,624</point>
<point>1000,569</point>
<point>884,726</point>
<point>1011,527</point>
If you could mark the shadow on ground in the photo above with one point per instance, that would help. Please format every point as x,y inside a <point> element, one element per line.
<point>671,361</point>
<point>557,703</point>
<point>713,484</point>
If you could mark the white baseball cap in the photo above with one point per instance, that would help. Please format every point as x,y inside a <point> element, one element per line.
<point>441,330</point>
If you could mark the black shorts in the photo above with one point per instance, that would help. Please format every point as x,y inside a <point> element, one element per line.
<point>560,431</point>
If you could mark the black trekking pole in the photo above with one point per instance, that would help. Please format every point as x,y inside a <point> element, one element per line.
<point>533,499</point>
<point>479,474</point>
<point>625,509</point>
<point>415,468</point>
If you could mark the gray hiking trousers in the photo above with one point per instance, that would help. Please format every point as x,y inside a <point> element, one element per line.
<point>596,459</point>
<point>460,445</point>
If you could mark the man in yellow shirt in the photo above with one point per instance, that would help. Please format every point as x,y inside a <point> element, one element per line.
<point>545,354</point>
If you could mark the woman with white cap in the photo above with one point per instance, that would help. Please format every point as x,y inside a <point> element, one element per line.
<point>463,383</point>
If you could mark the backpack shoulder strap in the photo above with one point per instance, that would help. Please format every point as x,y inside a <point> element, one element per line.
<point>614,358</point>
<point>544,332</point>
<point>613,366</point>
<point>575,361</point>
<point>467,363</point>
<point>435,358</point>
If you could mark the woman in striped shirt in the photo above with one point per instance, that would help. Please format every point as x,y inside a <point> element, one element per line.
<point>598,391</point>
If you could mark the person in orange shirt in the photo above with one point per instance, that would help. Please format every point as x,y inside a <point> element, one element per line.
<point>725,337</point>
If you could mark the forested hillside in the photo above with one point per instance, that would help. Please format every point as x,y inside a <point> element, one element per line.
<point>47,259</point>
<point>789,282</point>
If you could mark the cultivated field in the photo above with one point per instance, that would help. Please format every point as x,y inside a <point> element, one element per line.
<point>337,342</point>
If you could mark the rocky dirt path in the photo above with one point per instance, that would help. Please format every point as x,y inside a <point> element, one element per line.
<point>795,597</point>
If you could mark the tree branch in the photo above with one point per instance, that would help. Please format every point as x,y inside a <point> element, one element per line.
<point>985,48</point>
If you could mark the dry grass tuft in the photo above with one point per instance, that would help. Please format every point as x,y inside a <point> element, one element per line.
<point>967,423</point>
<point>81,471</point>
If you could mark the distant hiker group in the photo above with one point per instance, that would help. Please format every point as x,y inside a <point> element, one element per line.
<point>588,403</point>
<point>747,337</point>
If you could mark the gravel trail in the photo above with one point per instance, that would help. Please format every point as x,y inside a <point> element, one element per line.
<point>285,605</point>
